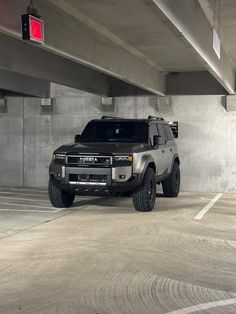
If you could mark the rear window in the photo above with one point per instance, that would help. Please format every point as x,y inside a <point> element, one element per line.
<point>162,134</point>
<point>169,133</point>
<point>112,131</point>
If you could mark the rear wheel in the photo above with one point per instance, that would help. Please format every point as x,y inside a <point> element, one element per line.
<point>60,198</point>
<point>172,184</point>
<point>145,196</point>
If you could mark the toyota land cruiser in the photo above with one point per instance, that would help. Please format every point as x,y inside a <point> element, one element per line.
<point>117,156</point>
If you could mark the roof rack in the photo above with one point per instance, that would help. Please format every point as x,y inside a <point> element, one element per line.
<point>110,117</point>
<point>155,118</point>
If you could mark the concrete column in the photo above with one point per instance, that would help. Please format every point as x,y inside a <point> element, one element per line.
<point>11,143</point>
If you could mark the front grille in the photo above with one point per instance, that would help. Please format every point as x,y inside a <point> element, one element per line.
<point>88,178</point>
<point>89,161</point>
<point>72,160</point>
<point>73,177</point>
<point>97,178</point>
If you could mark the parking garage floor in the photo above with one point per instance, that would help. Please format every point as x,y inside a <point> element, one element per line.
<point>101,256</point>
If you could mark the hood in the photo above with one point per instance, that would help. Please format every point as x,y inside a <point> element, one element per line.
<point>101,148</point>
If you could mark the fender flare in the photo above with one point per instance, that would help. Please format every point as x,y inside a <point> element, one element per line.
<point>175,158</point>
<point>148,161</point>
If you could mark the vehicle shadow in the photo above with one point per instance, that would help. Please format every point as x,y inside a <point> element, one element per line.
<point>108,204</point>
<point>88,201</point>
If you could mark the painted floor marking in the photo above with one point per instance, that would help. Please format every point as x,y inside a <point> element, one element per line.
<point>22,189</point>
<point>31,210</point>
<point>21,199</point>
<point>204,306</point>
<point>209,205</point>
<point>24,205</point>
<point>24,193</point>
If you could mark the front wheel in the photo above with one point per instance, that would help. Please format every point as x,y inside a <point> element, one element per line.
<point>172,184</point>
<point>145,196</point>
<point>60,198</point>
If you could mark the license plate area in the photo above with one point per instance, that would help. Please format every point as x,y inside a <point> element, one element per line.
<point>88,178</point>
<point>93,176</point>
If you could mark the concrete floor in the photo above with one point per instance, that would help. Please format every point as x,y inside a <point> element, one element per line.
<point>103,257</point>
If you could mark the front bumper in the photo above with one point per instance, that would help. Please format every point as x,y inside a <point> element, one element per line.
<point>94,179</point>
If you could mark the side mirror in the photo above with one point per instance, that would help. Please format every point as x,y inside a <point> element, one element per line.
<point>156,140</point>
<point>77,136</point>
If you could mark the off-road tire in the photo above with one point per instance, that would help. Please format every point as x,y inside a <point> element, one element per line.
<point>60,198</point>
<point>172,183</point>
<point>145,196</point>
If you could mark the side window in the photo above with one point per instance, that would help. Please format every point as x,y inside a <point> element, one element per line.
<point>169,133</point>
<point>152,132</point>
<point>161,133</point>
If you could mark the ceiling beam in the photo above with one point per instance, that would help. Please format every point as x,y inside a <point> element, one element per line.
<point>28,60</point>
<point>193,83</point>
<point>76,37</point>
<point>189,23</point>
<point>23,84</point>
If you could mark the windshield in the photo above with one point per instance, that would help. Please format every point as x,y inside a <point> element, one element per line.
<point>122,132</point>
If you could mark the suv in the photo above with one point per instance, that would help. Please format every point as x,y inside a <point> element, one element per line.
<point>118,157</point>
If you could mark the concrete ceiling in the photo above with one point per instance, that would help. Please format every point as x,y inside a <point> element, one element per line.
<point>137,23</point>
<point>137,41</point>
<point>228,26</point>
<point>221,15</point>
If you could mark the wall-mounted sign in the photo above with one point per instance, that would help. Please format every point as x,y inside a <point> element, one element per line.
<point>175,128</point>
<point>32,28</point>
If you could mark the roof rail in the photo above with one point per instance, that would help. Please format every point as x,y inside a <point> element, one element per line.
<point>155,118</point>
<point>110,117</point>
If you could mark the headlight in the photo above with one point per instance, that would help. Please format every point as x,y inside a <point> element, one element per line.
<point>59,158</point>
<point>123,160</point>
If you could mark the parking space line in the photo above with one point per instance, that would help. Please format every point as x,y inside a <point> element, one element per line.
<point>18,193</point>
<point>21,199</point>
<point>23,205</point>
<point>22,189</point>
<point>204,306</point>
<point>201,214</point>
<point>31,211</point>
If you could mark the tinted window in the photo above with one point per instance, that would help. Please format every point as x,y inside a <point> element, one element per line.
<point>152,131</point>
<point>112,131</point>
<point>161,133</point>
<point>169,133</point>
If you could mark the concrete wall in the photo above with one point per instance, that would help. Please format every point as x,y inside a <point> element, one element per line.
<point>30,132</point>
<point>206,141</point>
<point>11,143</point>
<point>45,131</point>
